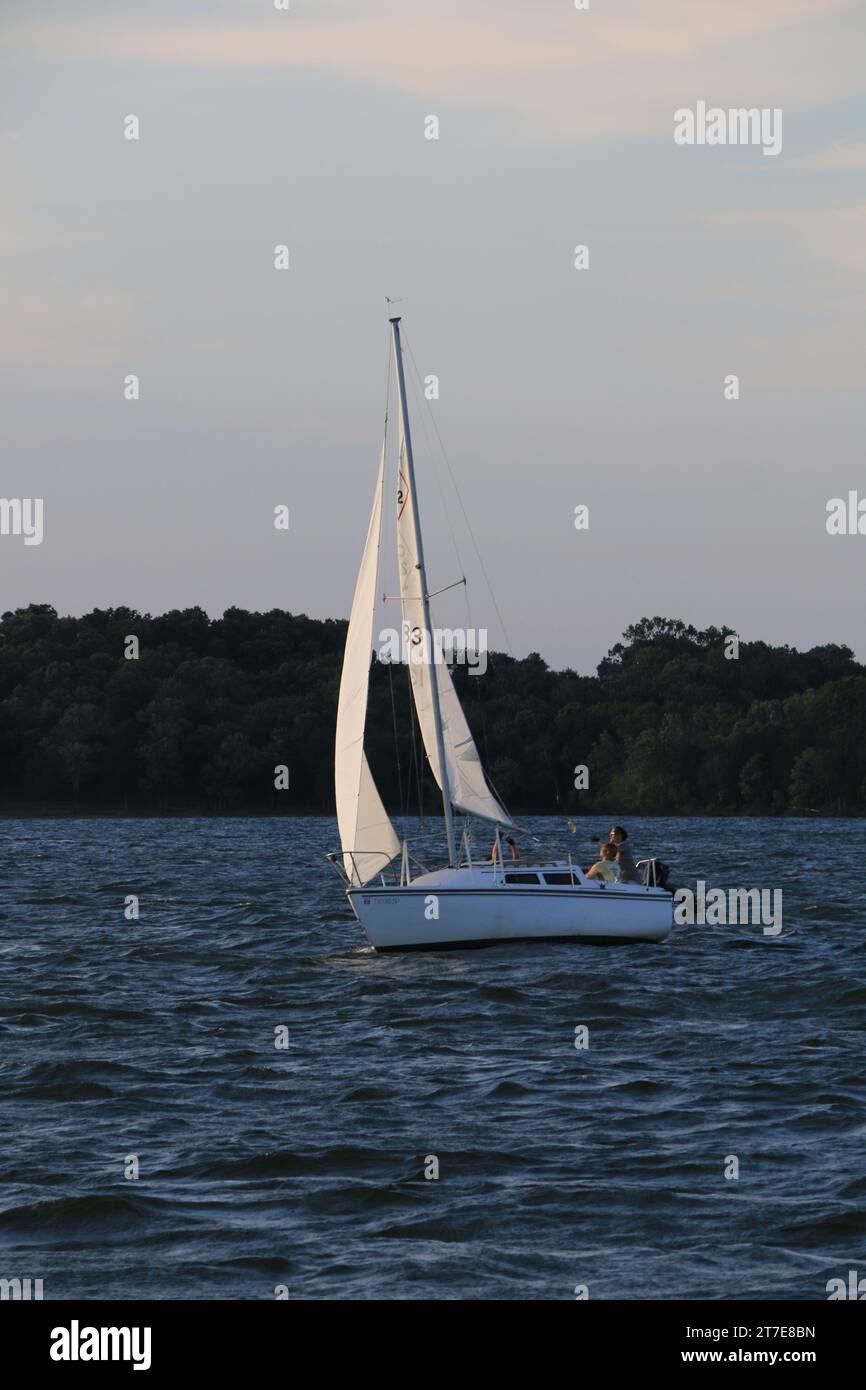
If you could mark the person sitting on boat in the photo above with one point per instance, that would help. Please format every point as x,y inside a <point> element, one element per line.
<point>625,863</point>
<point>605,866</point>
<point>494,853</point>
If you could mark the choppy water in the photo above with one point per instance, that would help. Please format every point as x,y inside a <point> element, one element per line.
<point>305,1167</point>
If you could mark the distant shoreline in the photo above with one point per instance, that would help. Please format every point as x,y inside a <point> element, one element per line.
<point>236,717</point>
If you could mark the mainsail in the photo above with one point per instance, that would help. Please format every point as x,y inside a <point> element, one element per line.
<point>467,786</point>
<point>365,828</point>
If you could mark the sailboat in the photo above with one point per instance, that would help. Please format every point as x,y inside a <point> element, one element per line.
<point>469,901</point>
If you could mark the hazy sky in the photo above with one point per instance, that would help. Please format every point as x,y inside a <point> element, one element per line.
<point>557,386</point>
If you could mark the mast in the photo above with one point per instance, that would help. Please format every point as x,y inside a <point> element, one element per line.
<point>425,601</point>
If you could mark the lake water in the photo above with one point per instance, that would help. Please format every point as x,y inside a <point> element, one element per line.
<point>305,1167</point>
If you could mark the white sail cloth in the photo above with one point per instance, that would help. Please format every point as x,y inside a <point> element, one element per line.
<point>367,836</point>
<point>467,785</point>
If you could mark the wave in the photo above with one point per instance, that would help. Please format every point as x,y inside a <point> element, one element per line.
<point>93,1213</point>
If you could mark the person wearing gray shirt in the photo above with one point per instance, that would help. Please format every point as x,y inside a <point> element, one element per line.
<point>627,871</point>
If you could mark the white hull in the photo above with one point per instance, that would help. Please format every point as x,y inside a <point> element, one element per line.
<point>479,913</point>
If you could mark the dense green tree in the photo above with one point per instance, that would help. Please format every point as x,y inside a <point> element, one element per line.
<point>211,707</point>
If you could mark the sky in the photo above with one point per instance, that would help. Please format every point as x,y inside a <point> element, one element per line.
<point>559,387</point>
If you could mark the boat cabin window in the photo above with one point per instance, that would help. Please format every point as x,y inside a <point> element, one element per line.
<point>521,878</point>
<point>559,880</point>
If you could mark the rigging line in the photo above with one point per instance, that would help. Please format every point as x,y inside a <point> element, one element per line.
<point>411,771</point>
<point>469,623</point>
<point>486,765</point>
<point>484,732</point>
<point>431,455</point>
<point>462,508</point>
<point>442,498</point>
<point>416,728</point>
<point>416,752</point>
<point>396,740</point>
<point>451,528</point>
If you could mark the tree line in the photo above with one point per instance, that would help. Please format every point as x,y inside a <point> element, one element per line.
<point>675,721</point>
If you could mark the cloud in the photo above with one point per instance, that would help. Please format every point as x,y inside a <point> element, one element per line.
<point>14,239</point>
<point>838,236</point>
<point>834,235</point>
<point>63,330</point>
<point>842,156</point>
<point>563,74</point>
